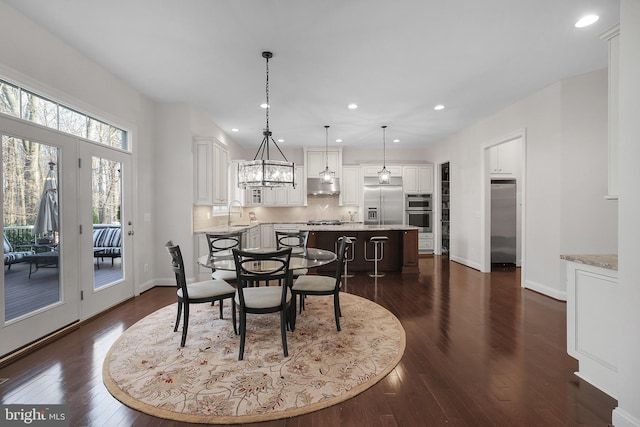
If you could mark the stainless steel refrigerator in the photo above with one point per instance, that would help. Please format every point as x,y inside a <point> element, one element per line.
<point>503,222</point>
<point>383,203</point>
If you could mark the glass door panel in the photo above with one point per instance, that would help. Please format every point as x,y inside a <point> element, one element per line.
<point>31,212</point>
<point>107,226</point>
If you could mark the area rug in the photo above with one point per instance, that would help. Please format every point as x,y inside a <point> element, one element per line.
<point>203,382</point>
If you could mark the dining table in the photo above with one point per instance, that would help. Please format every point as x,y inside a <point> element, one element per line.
<point>301,258</point>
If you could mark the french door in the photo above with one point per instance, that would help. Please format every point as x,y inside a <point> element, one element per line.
<point>106,228</point>
<point>51,277</point>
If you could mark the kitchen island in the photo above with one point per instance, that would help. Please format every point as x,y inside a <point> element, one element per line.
<point>400,251</point>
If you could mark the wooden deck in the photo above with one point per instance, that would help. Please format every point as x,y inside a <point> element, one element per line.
<point>24,294</point>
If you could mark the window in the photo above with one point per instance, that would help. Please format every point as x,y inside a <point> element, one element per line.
<point>21,103</point>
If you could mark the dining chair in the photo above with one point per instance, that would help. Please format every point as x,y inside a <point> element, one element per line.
<point>197,293</point>
<point>294,239</point>
<point>253,268</point>
<point>218,242</point>
<point>309,285</point>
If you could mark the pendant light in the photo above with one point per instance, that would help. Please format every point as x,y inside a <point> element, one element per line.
<point>384,176</point>
<point>327,176</point>
<point>263,171</point>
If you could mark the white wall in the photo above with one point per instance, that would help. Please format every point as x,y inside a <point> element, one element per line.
<point>565,123</point>
<point>628,411</point>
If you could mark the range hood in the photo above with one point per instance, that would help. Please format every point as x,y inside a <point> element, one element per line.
<point>316,188</point>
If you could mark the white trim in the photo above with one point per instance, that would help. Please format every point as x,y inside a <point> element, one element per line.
<point>621,418</point>
<point>545,290</point>
<point>485,194</point>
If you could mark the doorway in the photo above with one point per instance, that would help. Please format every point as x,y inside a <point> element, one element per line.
<point>504,161</point>
<point>49,275</point>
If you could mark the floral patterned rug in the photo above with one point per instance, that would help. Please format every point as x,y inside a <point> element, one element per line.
<point>203,382</point>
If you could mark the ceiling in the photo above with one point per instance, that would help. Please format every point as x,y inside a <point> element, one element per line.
<point>395,59</point>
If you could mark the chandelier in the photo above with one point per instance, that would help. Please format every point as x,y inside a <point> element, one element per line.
<point>384,176</point>
<point>327,176</point>
<point>262,171</point>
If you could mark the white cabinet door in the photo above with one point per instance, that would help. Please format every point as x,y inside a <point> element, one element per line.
<point>211,172</point>
<point>203,172</point>
<point>351,186</point>
<point>202,248</point>
<point>503,159</point>
<point>268,238</point>
<point>295,196</point>
<point>220,175</point>
<point>316,160</point>
<point>417,179</point>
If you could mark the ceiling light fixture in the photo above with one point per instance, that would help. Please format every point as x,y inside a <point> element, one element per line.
<point>327,176</point>
<point>265,172</point>
<point>439,107</point>
<point>587,20</point>
<point>353,106</point>
<point>384,176</point>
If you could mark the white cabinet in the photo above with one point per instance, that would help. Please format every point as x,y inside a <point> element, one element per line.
<point>351,186</point>
<point>417,179</point>
<point>211,172</point>
<point>425,243</point>
<point>268,237</point>
<point>254,237</point>
<point>316,160</point>
<point>372,170</point>
<point>503,159</point>
<point>612,36</point>
<point>592,324</point>
<point>202,248</point>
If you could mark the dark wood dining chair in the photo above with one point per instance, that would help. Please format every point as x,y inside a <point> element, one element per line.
<point>207,291</point>
<point>252,269</point>
<point>218,242</point>
<point>309,285</point>
<point>294,239</point>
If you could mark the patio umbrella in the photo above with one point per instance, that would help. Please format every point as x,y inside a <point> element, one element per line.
<point>47,220</point>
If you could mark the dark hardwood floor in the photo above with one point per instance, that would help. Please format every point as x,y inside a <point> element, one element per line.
<point>480,351</point>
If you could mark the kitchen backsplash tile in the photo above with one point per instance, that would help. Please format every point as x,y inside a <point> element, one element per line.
<point>319,207</point>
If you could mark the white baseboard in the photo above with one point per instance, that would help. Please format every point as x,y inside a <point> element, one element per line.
<point>545,290</point>
<point>621,418</point>
<point>463,261</point>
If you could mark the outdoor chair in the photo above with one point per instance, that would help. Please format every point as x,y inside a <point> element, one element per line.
<point>253,268</point>
<point>321,285</point>
<point>207,291</point>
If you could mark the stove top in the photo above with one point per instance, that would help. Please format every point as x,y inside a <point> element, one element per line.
<point>324,222</point>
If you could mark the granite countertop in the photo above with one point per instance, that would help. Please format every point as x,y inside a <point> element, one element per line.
<point>349,226</point>
<point>358,227</point>
<point>608,261</point>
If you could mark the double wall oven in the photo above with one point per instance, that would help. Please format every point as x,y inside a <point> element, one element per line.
<point>418,211</point>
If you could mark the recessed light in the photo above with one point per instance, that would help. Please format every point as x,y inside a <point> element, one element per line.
<point>396,140</point>
<point>235,130</point>
<point>264,105</point>
<point>587,20</point>
<point>281,140</point>
<point>352,106</point>
<point>338,140</point>
<point>439,107</point>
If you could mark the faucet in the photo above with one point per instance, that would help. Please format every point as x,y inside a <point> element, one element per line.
<point>229,211</point>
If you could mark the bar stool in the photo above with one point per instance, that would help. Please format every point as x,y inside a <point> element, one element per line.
<point>378,253</point>
<point>351,241</point>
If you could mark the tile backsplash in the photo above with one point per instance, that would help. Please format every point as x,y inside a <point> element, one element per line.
<point>318,207</point>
